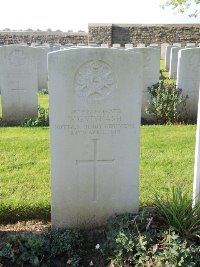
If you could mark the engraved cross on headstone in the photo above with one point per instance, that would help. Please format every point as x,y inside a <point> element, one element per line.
<point>93,162</point>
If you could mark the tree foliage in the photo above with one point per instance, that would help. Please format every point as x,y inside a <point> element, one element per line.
<point>180,6</point>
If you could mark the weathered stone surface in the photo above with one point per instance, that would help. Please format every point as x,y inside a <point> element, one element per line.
<point>19,82</point>
<point>42,67</point>
<point>151,57</point>
<point>43,37</point>
<point>167,56</point>
<point>196,182</point>
<point>163,50</point>
<point>112,33</point>
<point>173,62</point>
<point>128,45</point>
<point>188,77</point>
<point>141,45</point>
<point>95,103</point>
<point>116,45</point>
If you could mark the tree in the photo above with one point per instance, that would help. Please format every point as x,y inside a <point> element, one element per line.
<point>182,5</point>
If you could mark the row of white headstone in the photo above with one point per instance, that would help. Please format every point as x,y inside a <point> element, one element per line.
<point>184,64</point>
<point>95,111</point>
<point>95,106</point>
<point>23,71</point>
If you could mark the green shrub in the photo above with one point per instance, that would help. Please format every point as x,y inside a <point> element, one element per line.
<point>42,120</point>
<point>177,211</point>
<point>166,103</point>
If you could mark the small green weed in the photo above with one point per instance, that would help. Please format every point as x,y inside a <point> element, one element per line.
<point>44,92</point>
<point>42,120</point>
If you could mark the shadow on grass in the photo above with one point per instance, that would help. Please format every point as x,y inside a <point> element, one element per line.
<point>8,215</point>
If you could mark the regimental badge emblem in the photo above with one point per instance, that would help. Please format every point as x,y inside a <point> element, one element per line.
<point>94,80</point>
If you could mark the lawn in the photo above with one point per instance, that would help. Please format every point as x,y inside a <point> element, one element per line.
<point>167,158</point>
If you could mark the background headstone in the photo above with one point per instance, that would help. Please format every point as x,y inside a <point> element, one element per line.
<point>95,103</point>
<point>188,77</point>
<point>105,45</point>
<point>42,67</point>
<point>177,44</point>
<point>163,50</point>
<point>141,45</point>
<point>116,45</point>
<point>128,45</point>
<point>93,44</point>
<point>167,56</point>
<point>173,62</point>
<point>151,74</point>
<point>154,45</point>
<point>81,44</point>
<point>19,82</point>
<point>192,45</point>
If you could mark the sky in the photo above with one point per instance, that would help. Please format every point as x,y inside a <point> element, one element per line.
<point>76,14</point>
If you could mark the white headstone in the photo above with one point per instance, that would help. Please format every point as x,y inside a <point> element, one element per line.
<point>167,56</point>
<point>116,45</point>
<point>69,45</point>
<point>95,103</point>
<point>19,82</point>
<point>128,45</point>
<point>177,44</point>
<point>188,45</point>
<point>156,45</point>
<point>42,67</point>
<point>173,62</point>
<point>151,74</point>
<point>105,45</point>
<point>141,45</point>
<point>93,44</point>
<point>188,77</point>
<point>81,44</point>
<point>163,49</point>
<point>196,182</point>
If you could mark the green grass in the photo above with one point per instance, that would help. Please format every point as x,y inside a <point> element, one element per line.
<point>24,173</point>
<point>165,73</point>
<point>167,158</point>
<point>43,101</point>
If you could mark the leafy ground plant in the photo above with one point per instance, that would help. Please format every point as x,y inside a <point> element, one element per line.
<point>29,249</point>
<point>166,103</point>
<point>144,240</point>
<point>177,211</point>
<point>42,120</point>
<point>42,250</point>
